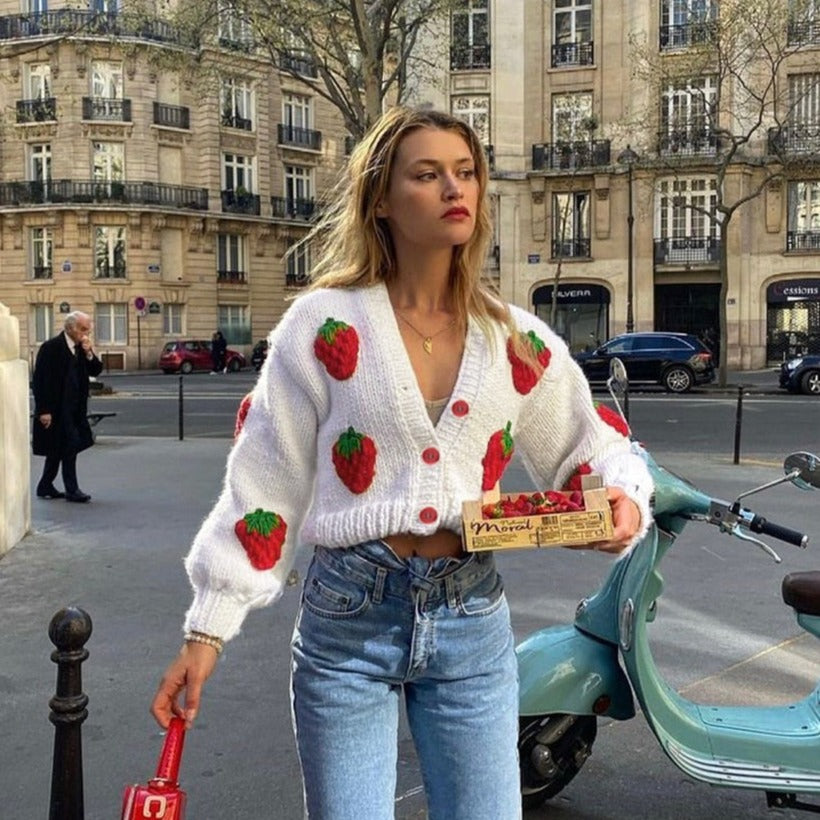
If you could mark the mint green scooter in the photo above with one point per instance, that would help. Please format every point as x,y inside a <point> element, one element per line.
<point>570,674</point>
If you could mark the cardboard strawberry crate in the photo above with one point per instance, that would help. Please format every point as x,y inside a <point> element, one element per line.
<point>594,523</point>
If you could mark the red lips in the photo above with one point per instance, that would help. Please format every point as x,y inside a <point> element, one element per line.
<point>456,212</point>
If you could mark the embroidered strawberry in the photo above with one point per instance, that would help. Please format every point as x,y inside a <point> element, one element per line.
<point>242,414</point>
<point>523,375</point>
<point>354,457</point>
<point>337,347</point>
<point>500,450</point>
<point>574,481</point>
<point>262,534</point>
<point>613,419</point>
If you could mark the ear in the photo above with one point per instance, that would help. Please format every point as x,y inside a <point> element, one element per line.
<point>381,210</point>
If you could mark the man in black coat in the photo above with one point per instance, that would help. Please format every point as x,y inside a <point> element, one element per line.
<point>60,383</point>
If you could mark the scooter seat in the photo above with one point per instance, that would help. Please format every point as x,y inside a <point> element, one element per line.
<point>801,590</point>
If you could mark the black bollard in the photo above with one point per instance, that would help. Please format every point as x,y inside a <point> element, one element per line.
<point>738,421</point>
<point>69,630</point>
<point>181,414</point>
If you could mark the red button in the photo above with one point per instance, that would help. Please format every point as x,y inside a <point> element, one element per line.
<point>428,515</point>
<point>460,408</point>
<point>430,455</point>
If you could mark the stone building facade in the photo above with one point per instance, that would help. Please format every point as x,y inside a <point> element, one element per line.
<point>150,181</point>
<point>552,87</point>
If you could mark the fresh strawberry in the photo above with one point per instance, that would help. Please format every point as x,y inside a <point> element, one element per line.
<point>241,414</point>
<point>523,375</point>
<point>354,457</point>
<point>337,347</point>
<point>262,534</point>
<point>500,450</point>
<point>613,419</point>
<point>574,481</point>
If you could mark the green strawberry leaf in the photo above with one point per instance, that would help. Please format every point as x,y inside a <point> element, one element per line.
<point>349,443</point>
<point>261,521</point>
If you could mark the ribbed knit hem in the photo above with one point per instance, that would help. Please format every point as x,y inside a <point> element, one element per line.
<point>215,614</point>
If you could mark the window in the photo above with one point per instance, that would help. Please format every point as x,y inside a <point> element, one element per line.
<point>106,80</point>
<point>296,111</point>
<point>109,252</point>
<point>35,6</point>
<point>234,322</point>
<point>686,22</point>
<point>572,32</point>
<point>41,253</point>
<point>39,81</point>
<point>105,6</point>
<point>237,103</point>
<point>298,263</point>
<point>686,232</point>
<point>804,216</point>
<point>40,162</point>
<point>109,161</point>
<point>804,100</point>
<point>238,171</point>
<point>111,323</point>
<point>570,224</point>
<point>687,111</point>
<point>570,114</point>
<point>298,184</point>
<point>470,36</point>
<point>230,251</point>
<point>804,21</point>
<point>42,323</point>
<point>172,316</point>
<point>234,30</point>
<point>475,111</point>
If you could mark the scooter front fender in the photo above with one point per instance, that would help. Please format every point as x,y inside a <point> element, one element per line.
<point>563,670</point>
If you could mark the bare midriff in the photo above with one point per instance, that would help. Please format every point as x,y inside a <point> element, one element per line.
<point>441,544</point>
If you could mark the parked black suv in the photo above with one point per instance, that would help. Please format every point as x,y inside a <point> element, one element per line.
<point>676,361</point>
<point>801,373</point>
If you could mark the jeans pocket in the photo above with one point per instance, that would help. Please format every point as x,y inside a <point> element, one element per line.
<point>329,595</point>
<point>484,598</point>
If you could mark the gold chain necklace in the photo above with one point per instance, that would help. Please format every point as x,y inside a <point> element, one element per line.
<point>427,340</point>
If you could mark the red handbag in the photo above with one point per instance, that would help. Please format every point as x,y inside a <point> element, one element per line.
<point>161,798</point>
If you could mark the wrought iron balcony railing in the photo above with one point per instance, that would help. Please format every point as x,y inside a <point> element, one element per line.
<point>794,140</point>
<point>296,280</point>
<point>572,54</point>
<point>285,208</point>
<point>570,248</point>
<point>298,63</point>
<point>42,109</point>
<point>686,35</point>
<point>295,137</point>
<point>687,250</point>
<point>570,155</point>
<point>58,191</point>
<point>465,57</point>
<point>243,44</point>
<point>231,120</point>
<point>240,202</point>
<point>41,272</point>
<point>172,116</point>
<point>687,142</point>
<point>231,277</point>
<point>110,109</point>
<point>803,240</point>
<point>803,32</point>
<point>92,23</point>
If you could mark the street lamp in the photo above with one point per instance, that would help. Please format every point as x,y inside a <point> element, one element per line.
<point>628,157</point>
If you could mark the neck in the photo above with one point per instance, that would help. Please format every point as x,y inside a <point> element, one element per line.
<point>422,282</point>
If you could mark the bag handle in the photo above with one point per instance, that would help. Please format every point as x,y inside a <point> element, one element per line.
<point>171,755</point>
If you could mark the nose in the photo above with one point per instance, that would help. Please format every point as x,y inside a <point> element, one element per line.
<point>452,188</point>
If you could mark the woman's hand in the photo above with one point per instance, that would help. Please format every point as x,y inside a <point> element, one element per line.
<point>189,671</point>
<point>626,521</point>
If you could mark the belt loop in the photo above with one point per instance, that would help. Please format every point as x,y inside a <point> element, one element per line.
<point>450,588</point>
<point>378,589</point>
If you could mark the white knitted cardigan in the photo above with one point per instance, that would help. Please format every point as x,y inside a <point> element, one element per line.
<point>408,476</point>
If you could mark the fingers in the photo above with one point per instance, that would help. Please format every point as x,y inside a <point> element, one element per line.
<point>626,521</point>
<point>188,672</point>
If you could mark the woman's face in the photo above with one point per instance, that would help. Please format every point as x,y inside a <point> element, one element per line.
<point>432,196</point>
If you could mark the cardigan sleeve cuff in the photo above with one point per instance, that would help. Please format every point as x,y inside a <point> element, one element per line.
<point>215,613</point>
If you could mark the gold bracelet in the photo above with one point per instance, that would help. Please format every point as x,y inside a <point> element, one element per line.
<point>209,640</point>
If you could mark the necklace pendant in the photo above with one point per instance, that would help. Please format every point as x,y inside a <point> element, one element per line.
<point>427,344</point>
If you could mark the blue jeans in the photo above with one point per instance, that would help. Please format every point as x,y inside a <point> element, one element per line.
<point>372,627</point>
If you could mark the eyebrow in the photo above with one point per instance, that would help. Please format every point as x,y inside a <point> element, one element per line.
<point>425,161</point>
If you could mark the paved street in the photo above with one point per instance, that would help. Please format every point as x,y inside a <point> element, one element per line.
<point>722,630</point>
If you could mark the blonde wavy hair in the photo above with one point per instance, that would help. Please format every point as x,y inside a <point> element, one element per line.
<point>355,245</point>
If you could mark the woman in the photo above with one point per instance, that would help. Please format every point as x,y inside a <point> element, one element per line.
<point>394,390</point>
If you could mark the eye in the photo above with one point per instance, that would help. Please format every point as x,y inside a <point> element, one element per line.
<point>467,173</point>
<point>427,176</point>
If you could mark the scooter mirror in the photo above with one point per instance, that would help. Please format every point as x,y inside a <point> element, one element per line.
<point>807,466</point>
<point>617,375</point>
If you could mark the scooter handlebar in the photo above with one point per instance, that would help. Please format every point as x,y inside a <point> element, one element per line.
<point>760,525</point>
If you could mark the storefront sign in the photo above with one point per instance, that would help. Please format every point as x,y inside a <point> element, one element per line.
<point>575,292</point>
<point>793,290</point>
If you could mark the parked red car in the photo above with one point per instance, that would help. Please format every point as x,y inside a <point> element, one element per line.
<point>185,356</point>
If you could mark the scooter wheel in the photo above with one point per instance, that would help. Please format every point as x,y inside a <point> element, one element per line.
<point>546,768</point>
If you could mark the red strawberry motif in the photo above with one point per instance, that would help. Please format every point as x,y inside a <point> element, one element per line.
<point>354,457</point>
<point>337,347</point>
<point>574,481</point>
<point>523,375</point>
<point>242,414</point>
<point>262,534</point>
<point>500,449</point>
<point>613,419</point>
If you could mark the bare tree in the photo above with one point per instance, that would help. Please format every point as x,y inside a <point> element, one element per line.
<point>730,107</point>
